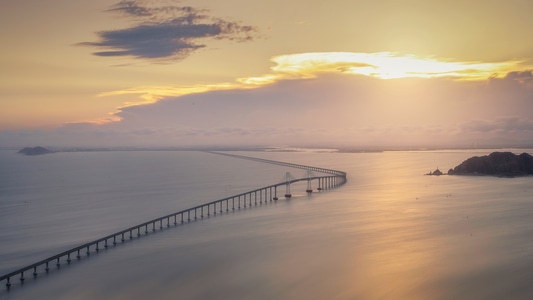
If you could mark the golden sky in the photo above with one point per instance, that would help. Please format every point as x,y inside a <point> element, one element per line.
<point>358,73</point>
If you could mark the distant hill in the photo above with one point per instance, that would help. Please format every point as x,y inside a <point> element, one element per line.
<point>504,164</point>
<point>34,151</point>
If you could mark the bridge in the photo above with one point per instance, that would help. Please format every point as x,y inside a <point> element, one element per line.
<point>331,179</point>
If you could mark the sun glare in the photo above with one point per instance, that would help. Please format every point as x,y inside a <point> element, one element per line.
<point>387,65</point>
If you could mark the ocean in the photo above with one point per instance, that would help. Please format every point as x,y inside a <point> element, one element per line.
<point>390,232</point>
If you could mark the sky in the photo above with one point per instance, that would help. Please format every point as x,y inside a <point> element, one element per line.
<point>335,74</point>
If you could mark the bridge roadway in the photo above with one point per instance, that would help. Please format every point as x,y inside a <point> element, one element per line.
<point>262,195</point>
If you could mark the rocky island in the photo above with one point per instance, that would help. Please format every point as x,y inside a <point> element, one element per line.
<point>34,151</point>
<point>502,164</point>
<point>437,172</point>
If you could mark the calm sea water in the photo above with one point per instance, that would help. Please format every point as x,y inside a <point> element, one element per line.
<point>389,233</point>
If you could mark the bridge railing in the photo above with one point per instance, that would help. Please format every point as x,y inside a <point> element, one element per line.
<point>231,203</point>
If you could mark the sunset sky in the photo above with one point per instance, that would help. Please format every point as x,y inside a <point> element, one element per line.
<point>338,73</point>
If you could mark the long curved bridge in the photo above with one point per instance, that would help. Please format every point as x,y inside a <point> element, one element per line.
<point>331,179</point>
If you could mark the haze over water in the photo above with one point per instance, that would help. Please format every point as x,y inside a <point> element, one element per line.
<point>389,233</point>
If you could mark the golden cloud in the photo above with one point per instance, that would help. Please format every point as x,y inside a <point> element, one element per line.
<point>383,65</point>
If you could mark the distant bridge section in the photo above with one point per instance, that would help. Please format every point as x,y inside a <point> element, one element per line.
<point>340,174</point>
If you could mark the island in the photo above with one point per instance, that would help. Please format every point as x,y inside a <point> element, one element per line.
<point>35,151</point>
<point>501,164</point>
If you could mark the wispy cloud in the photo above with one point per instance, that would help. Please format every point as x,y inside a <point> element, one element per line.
<point>170,32</point>
<point>504,125</point>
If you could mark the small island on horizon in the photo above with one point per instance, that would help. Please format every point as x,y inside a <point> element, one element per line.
<point>500,164</point>
<point>35,151</point>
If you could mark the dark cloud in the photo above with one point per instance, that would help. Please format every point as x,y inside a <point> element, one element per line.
<point>131,8</point>
<point>165,33</point>
<point>528,75</point>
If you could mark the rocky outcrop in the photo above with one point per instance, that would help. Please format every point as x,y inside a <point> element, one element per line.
<point>503,164</point>
<point>34,151</point>
<point>437,172</point>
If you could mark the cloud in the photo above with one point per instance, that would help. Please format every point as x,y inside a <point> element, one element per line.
<point>381,65</point>
<point>316,102</point>
<point>165,32</point>
<point>514,79</point>
<point>503,125</point>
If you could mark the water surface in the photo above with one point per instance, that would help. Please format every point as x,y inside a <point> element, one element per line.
<point>389,233</point>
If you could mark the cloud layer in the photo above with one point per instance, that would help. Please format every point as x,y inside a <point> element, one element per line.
<point>329,110</point>
<point>165,32</point>
<point>383,65</point>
